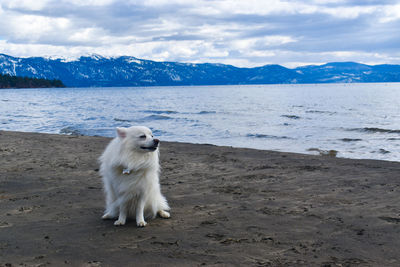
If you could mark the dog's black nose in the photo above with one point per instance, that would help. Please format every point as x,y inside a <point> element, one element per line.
<point>156,141</point>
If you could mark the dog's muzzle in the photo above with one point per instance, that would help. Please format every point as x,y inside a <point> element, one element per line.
<point>153,147</point>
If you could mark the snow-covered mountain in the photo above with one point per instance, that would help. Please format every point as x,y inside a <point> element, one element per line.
<point>96,70</point>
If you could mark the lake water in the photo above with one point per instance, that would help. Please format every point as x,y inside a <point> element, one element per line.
<point>357,120</point>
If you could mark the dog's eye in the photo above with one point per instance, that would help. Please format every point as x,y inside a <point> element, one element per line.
<point>142,136</point>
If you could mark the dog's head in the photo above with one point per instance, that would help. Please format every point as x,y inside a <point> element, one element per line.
<point>138,138</point>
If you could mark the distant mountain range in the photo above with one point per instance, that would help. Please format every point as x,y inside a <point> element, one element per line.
<point>130,71</point>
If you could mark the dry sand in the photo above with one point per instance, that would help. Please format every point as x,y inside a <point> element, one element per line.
<point>229,207</point>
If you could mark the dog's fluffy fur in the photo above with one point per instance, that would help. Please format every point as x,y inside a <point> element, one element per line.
<point>130,169</point>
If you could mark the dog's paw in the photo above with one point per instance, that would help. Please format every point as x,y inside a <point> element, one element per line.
<point>107,216</point>
<point>142,224</point>
<point>164,214</point>
<point>119,222</point>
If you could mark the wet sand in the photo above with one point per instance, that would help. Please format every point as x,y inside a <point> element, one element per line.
<point>230,206</point>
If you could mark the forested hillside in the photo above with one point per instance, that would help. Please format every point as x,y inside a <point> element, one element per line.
<point>8,81</point>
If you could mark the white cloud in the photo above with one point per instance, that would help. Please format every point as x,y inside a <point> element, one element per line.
<point>90,2</point>
<point>392,13</point>
<point>252,45</point>
<point>25,4</point>
<point>30,28</point>
<point>90,36</point>
<point>348,12</point>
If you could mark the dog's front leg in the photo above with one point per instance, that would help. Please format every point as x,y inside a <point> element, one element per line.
<point>111,211</point>
<point>139,212</point>
<point>123,212</point>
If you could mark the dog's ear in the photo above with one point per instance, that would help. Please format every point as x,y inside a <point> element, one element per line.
<point>121,132</point>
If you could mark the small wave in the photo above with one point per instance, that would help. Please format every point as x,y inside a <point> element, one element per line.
<point>156,117</point>
<point>122,120</point>
<point>267,136</point>
<point>23,116</point>
<point>382,151</point>
<point>4,121</point>
<point>70,131</point>
<point>322,152</point>
<point>293,117</point>
<point>157,132</point>
<point>350,139</point>
<point>203,112</point>
<point>374,130</point>
<point>161,111</point>
<point>90,119</point>
<point>320,112</point>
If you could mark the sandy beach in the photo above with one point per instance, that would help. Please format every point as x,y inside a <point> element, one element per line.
<point>230,206</point>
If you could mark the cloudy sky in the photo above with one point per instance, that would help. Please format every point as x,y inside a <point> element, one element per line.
<point>244,33</point>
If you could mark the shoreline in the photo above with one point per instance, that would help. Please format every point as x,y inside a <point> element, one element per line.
<point>330,153</point>
<point>230,206</point>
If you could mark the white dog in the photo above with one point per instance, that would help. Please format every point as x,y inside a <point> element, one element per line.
<point>130,167</point>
